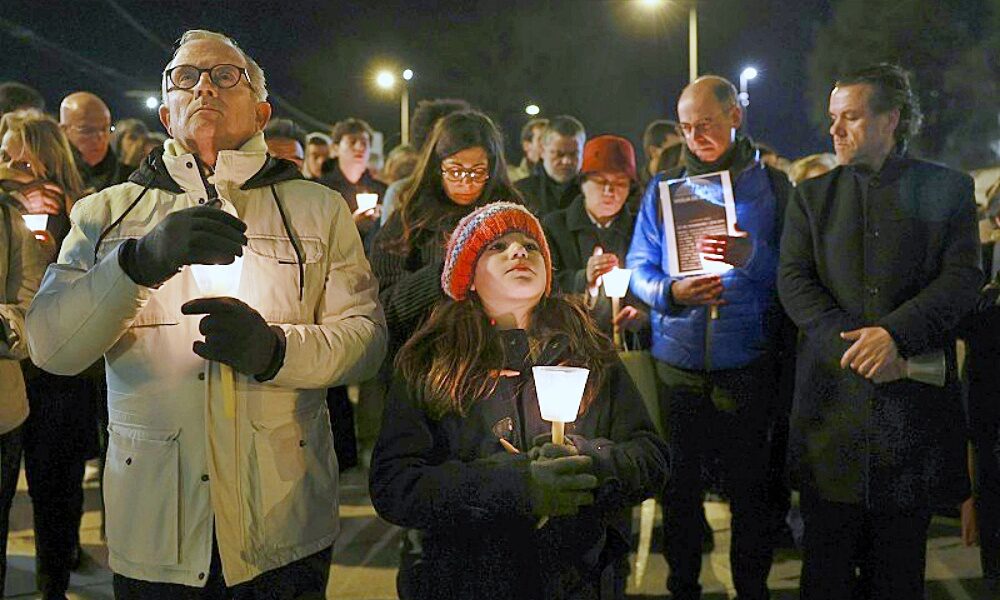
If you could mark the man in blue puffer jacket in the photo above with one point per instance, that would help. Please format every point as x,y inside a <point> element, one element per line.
<point>715,342</point>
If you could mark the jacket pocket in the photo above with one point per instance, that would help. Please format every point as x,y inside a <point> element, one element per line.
<point>271,277</point>
<point>141,494</point>
<point>296,479</point>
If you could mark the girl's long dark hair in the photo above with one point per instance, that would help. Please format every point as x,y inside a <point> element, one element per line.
<point>424,201</point>
<point>454,359</point>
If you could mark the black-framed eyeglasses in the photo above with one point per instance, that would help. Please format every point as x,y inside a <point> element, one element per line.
<point>224,76</point>
<point>457,174</point>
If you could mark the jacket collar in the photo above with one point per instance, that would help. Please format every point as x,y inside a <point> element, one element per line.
<point>174,169</point>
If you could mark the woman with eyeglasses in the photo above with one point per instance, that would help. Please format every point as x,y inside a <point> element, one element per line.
<point>38,176</point>
<point>461,168</point>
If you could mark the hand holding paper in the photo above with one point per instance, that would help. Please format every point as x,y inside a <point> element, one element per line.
<point>730,249</point>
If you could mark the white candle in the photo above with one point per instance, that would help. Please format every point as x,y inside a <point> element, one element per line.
<point>36,222</point>
<point>616,282</point>
<point>219,280</point>
<point>366,202</point>
<point>560,390</point>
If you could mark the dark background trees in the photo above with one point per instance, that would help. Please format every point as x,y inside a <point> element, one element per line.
<point>952,48</point>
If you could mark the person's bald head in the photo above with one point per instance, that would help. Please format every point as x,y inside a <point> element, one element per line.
<point>87,122</point>
<point>709,116</point>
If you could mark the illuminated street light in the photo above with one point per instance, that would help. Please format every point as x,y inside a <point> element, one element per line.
<point>748,74</point>
<point>385,80</point>
<point>532,109</point>
<point>152,102</point>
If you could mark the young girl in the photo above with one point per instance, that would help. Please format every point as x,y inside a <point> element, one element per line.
<point>499,511</point>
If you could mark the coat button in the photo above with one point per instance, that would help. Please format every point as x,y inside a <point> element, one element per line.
<point>204,477</point>
<point>201,377</point>
<point>188,164</point>
<point>201,576</point>
<point>302,443</point>
<point>873,291</point>
<point>201,200</point>
<point>128,460</point>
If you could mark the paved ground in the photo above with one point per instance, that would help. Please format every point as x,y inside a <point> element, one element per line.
<point>365,557</point>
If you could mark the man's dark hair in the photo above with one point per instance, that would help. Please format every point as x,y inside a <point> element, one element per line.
<point>890,90</point>
<point>564,125</point>
<point>350,126</point>
<point>528,131</point>
<point>17,96</point>
<point>287,129</point>
<point>429,112</point>
<point>657,131</point>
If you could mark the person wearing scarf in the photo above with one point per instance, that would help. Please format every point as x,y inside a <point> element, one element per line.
<point>715,343</point>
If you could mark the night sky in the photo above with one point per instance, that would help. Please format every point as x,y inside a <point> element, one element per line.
<point>613,64</point>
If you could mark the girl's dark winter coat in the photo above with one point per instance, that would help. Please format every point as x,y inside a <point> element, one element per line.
<point>452,480</point>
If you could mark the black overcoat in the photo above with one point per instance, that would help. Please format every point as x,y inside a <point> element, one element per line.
<point>896,249</point>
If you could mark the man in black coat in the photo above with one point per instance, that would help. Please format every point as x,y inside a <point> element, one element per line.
<point>554,185</point>
<point>879,262</point>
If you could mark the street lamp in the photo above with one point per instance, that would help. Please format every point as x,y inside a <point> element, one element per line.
<point>746,76</point>
<point>386,80</point>
<point>692,33</point>
<point>152,102</point>
<point>532,109</point>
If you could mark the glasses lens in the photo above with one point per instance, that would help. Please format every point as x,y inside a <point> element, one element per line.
<point>225,76</point>
<point>185,76</point>
<point>457,174</point>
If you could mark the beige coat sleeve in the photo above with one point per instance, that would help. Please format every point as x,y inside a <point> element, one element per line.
<point>348,341</point>
<point>82,308</point>
<point>23,274</point>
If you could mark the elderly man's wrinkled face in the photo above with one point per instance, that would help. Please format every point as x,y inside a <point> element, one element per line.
<point>88,128</point>
<point>709,126</point>
<point>222,118</point>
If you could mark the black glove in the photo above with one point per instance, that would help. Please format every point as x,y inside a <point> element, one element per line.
<point>238,336</point>
<point>199,235</point>
<point>560,486</point>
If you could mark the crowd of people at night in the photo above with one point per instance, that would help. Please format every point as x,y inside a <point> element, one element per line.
<point>835,383</point>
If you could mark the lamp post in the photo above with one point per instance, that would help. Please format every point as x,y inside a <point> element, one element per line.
<point>748,74</point>
<point>387,80</point>
<point>532,110</point>
<point>692,34</point>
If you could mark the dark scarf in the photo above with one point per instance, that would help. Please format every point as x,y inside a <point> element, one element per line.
<point>739,155</point>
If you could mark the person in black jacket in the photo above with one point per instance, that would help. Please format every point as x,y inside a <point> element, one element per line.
<point>554,184</point>
<point>461,168</point>
<point>879,263</point>
<point>501,511</point>
<point>592,235</point>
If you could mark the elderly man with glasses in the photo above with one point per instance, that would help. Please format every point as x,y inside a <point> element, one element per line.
<point>221,480</point>
<point>86,120</point>
<point>714,340</point>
